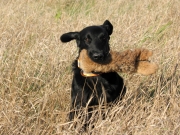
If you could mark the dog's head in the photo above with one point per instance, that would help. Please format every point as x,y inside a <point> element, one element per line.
<point>95,39</point>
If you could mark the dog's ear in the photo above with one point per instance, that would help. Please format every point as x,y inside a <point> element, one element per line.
<point>69,36</point>
<point>108,26</point>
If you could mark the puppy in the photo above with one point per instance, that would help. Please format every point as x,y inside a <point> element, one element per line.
<point>94,88</point>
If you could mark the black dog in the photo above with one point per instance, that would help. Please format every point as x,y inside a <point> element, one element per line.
<point>95,88</point>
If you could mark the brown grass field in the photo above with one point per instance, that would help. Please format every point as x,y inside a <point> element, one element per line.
<point>35,67</point>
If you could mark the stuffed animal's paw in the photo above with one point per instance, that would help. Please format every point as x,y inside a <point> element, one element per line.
<point>146,68</point>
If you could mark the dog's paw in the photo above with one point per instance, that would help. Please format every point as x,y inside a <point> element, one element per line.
<point>146,68</point>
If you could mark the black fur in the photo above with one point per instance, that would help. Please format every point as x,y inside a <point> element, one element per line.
<point>90,91</point>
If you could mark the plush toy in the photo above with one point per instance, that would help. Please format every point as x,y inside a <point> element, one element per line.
<point>129,61</point>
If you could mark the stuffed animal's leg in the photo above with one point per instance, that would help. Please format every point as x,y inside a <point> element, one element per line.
<point>144,54</point>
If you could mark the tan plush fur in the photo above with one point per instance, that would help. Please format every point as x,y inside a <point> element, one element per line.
<point>131,61</point>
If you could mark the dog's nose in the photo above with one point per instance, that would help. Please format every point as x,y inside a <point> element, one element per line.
<point>98,56</point>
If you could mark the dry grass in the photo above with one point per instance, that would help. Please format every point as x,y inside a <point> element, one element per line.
<point>36,75</point>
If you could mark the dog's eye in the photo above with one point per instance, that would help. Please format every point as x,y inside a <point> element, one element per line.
<point>103,37</point>
<point>87,39</point>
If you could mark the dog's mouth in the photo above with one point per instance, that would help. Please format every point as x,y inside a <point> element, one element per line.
<point>101,57</point>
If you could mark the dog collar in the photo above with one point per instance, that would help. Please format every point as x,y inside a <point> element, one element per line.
<point>84,74</point>
<point>88,74</point>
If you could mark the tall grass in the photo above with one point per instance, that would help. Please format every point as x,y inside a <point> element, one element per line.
<point>35,67</point>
